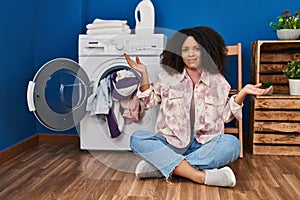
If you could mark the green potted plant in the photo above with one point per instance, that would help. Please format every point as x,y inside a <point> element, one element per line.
<point>287,26</point>
<point>266,85</point>
<point>293,74</point>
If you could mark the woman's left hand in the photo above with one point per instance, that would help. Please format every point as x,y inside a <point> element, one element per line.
<point>251,89</point>
<point>255,89</point>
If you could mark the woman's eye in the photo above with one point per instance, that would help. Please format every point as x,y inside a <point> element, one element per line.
<point>184,50</point>
<point>197,48</point>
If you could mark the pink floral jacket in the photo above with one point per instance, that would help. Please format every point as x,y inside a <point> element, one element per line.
<point>213,107</point>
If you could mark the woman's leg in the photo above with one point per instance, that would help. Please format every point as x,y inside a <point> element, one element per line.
<point>220,151</point>
<point>155,149</point>
<point>184,169</point>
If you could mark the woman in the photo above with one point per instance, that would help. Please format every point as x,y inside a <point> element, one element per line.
<point>194,105</point>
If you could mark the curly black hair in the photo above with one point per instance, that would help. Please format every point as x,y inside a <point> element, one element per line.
<point>213,50</point>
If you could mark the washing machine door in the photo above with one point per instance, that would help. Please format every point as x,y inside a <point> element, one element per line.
<point>58,94</point>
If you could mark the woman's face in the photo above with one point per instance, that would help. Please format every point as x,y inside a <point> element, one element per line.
<point>190,53</point>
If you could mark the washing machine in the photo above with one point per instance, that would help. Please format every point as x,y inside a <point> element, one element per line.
<point>59,91</point>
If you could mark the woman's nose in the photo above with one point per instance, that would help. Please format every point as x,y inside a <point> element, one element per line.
<point>191,52</point>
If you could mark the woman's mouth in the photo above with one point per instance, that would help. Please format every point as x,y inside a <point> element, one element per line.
<point>191,61</point>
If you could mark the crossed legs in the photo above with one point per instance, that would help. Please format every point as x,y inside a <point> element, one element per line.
<point>194,163</point>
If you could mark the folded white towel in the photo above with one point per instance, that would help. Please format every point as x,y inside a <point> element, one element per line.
<point>97,20</point>
<point>106,25</point>
<point>106,31</point>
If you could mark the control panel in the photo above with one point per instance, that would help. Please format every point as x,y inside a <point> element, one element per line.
<point>93,45</point>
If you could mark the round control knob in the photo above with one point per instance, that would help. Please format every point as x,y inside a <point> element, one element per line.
<point>119,46</point>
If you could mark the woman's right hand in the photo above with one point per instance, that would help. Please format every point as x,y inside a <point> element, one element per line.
<point>142,69</point>
<point>137,65</point>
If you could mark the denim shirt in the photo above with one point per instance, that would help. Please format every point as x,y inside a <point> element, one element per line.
<point>213,106</point>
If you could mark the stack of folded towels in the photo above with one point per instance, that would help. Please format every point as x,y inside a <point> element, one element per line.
<point>103,27</point>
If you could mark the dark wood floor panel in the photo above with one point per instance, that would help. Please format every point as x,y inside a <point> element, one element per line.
<point>56,171</point>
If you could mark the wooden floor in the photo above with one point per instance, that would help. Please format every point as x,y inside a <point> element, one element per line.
<point>49,171</point>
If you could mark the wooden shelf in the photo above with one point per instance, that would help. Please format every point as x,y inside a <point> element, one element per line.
<point>269,59</point>
<point>275,124</point>
<point>274,121</point>
<point>279,96</point>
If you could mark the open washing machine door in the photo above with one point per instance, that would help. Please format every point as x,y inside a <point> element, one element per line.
<point>58,94</point>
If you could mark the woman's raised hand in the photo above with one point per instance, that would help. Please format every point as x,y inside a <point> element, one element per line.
<point>251,89</point>
<point>256,90</point>
<point>137,65</point>
<point>142,69</point>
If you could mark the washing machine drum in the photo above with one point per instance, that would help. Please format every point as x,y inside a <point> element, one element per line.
<point>58,93</point>
<point>126,83</point>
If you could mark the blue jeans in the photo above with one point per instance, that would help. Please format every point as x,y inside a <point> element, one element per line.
<point>154,148</point>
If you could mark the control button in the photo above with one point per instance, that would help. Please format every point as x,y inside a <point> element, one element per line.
<point>119,46</point>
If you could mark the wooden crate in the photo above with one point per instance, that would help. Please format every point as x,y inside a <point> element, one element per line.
<point>269,58</point>
<point>274,126</point>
